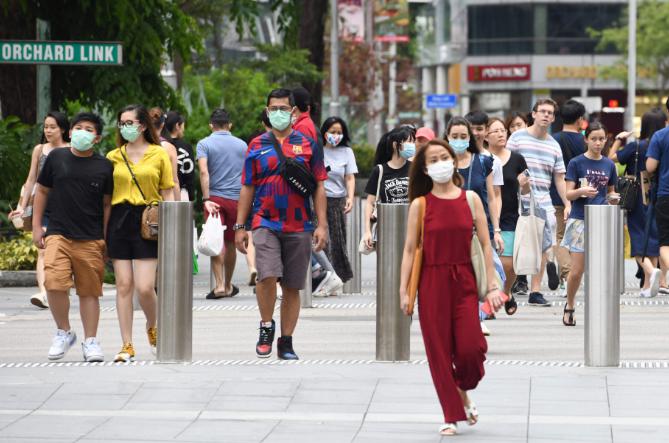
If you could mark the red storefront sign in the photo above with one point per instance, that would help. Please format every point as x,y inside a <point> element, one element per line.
<point>498,73</point>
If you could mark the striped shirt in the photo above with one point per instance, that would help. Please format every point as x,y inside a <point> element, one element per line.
<point>543,158</point>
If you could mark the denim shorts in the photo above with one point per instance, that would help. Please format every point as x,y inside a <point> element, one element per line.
<point>574,236</point>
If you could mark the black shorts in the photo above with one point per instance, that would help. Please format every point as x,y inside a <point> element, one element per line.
<point>124,241</point>
<point>662,220</point>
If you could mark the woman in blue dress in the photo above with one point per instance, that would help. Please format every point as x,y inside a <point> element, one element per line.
<point>633,155</point>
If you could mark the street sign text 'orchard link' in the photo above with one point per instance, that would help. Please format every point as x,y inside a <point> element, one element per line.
<point>61,53</point>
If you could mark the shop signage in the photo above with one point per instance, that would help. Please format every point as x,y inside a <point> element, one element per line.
<point>589,72</point>
<point>61,53</point>
<point>498,73</point>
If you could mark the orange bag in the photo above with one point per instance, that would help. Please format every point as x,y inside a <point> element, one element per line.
<point>416,267</point>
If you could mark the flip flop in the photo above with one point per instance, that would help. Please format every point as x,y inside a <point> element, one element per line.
<point>216,295</point>
<point>511,306</point>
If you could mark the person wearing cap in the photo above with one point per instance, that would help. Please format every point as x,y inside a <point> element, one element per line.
<point>423,136</point>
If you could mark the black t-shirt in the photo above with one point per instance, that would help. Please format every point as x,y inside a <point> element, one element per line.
<point>186,164</point>
<point>509,214</point>
<point>77,186</point>
<point>572,145</point>
<point>394,184</point>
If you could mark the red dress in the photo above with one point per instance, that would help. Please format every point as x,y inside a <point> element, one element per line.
<point>448,303</point>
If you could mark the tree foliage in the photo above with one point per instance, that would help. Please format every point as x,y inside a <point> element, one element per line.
<point>652,52</point>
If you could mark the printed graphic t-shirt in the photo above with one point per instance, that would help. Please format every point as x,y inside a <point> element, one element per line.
<point>394,184</point>
<point>600,175</point>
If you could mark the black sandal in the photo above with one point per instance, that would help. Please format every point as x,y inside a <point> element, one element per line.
<point>510,306</point>
<point>571,322</point>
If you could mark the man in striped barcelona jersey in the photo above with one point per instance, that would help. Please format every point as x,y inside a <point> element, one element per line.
<point>545,165</point>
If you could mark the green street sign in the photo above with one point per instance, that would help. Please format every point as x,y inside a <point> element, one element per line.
<point>60,53</point>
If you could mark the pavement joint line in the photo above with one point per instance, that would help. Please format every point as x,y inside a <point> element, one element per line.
<point>626,364</point>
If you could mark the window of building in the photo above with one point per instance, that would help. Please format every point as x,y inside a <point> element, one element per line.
<point>568,24</point>
<point>500,29</point>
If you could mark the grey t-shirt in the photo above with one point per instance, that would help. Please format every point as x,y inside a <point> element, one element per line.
<point>225,159</point>
<point>341,161</point>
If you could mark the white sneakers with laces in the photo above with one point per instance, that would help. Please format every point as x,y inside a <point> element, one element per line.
<point>92,350</point>
<point>331,285</point>
<point>62,342</point>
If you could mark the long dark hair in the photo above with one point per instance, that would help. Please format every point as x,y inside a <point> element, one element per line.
<point>61,121</point>
<point>420,183</point>
<point>329,122</point>
<point>461,121</point>
<point>651,122</point>
<point>386,146</point>
<point>172,120</point>
<point>144,119</point>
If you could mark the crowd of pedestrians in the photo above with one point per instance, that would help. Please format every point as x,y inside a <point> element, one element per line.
<point>283,195</point>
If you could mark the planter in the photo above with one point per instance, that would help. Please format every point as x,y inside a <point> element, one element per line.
<point>18,278</point>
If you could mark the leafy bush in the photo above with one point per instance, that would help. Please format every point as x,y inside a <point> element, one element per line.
<point>18,254</point>
<point>364,158</point>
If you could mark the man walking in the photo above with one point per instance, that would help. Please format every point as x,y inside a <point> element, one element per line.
<point>572,144</point>
<point>78,184</point>
<point>281,220</point>
<point>221,159</point>
<point>544,162</point>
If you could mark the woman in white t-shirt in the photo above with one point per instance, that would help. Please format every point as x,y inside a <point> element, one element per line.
<point>339,190</point>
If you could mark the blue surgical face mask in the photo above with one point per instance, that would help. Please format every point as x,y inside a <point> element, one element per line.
<point>408,150</point>
<point>459,145</point>
<point>82,140</point>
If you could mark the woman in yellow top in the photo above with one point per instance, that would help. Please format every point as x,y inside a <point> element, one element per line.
<point>134,258</point>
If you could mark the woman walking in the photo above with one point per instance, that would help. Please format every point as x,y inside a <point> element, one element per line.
<point>142,174</point>
<point>591,180</point>
<point>513,168</point>
<point>447,292</point>
<point>158,117</point>
<point>633,155</point>
<point>339,190</point>
<point>174,129</point>
<point>55,134</point>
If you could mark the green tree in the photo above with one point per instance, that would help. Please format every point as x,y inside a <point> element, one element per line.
<point>652,52</point>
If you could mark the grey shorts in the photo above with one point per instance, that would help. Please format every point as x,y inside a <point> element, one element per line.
<point>283,255</point>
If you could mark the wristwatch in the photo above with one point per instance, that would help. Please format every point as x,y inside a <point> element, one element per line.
<point>238,226</point>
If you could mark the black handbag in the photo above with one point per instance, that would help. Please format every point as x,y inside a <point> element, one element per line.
<point>629,187</point>
<point>298,176</point>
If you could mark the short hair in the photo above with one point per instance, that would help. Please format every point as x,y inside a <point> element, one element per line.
<point>219,118</point>
<point>62,122</point>
<point>329,122</point>
<point>477,118</point>
<point>282,93</point>
<point>546,101</point>
<point>90,118</point>
<point>302,99</point>
<point>651,122</point>
<point>571,111</point>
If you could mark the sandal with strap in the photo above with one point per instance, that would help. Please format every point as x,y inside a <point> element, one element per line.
<point>448,429</point>
<point>472,414</point>
<point>570,312</point>
<point>511,306</point>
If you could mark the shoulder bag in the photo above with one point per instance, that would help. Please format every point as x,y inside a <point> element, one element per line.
<point>417,266</point>
<point>28,210</point>
<point>528,239</point>
<point>149,224</point>
<point>362,246</point>
<point>476,252</point>
<point>628,186</point>
<point>298,176</point>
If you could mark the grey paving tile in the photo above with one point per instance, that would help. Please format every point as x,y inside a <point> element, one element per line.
<point>569,393</point>
<point>100,387</point>
<point>578,408</point>
<point>327,407</point>
<point>48,426</point>
<point>427,407</point>
<point>259,388</point>
<point>85,402</point>
<point>571,433</point>
<point>227,431</point>
<point>129,429</point>
<point>164,406</point>
<point>569,381</point>
<point>247,403</point>
<point>14,395</point>
<point>629,434</point>
<point>184,395</point>
<point>334,396</point>
<point>38,440</point>
<point>308,432</point>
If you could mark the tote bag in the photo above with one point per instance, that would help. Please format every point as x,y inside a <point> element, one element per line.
<point>528,239</point>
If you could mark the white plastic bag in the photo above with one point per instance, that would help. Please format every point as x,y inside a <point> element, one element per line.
<point>211,240</point>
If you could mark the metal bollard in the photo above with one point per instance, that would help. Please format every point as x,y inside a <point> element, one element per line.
<point>603,249</point>
<point>175,290</point>
<point>621,261</point>
<point>353,235</point>
<point>392,326</point>
<point>305,294</point>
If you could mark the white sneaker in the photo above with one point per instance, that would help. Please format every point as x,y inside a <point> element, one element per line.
<point>334,285</point>
<point>40,301</point>
<point>319,291</point>
<point>645,293</point>
<point>62,342</point>
<point>485,329</point>
<point>654,282</point>
<point>279,292</point>
<point>92,350</point>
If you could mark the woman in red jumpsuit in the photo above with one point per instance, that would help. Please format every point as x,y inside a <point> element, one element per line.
<point>447,294</point>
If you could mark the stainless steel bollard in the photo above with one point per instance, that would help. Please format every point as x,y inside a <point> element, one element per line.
<point>392,326</point>
<point>305,294</point>
<point>175,290</point>
<point>353,235</point>
<point>621,261</point>
<point>603,249</point>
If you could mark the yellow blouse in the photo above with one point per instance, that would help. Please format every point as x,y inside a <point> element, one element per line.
<point>153,172</point>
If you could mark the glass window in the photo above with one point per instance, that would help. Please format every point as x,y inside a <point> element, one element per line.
<point>500,29</point>
<point>567,26</point>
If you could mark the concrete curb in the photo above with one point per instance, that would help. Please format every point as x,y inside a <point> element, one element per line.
<point>14,279</point>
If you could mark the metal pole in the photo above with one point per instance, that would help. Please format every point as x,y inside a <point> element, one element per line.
<point>441,69</point>
<point>175,288</point>
<point>603,247</point>
<point>392,86</point>
<point>43,83</point>
<point>392,326</point>
<point>372,121</point>
<point>631,67</point>
<point>428,88</point>
<point>334,59</point>
<point>621,256</point>
<point>353,234</point>
<point>305,294</point>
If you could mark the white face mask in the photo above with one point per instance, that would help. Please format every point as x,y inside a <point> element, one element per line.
<point>441,171</point>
